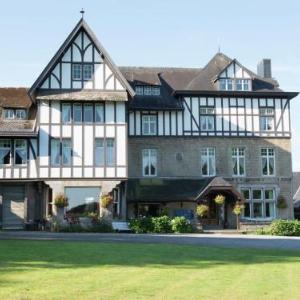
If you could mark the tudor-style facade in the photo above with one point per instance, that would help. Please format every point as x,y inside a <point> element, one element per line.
<point>161,140</point>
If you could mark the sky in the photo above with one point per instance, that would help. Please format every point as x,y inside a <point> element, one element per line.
<point>158,33</point>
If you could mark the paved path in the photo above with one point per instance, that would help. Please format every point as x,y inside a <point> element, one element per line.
<point>219,240</point>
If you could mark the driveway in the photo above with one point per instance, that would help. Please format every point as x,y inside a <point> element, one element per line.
<point>218,240</point>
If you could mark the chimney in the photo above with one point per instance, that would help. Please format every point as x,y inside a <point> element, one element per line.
<point>264,68</point>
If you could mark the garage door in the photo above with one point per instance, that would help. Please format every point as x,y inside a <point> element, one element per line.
<point>13,207</point>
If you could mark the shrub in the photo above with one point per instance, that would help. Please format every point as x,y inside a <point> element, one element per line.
<point>101,226</point>
<point>106,200</point>
<point>281,203</point>
<point>141,225</point>
<point>285,228</point>
<point>181,225</point>
<point>162,224</point>
<point>220,199</point>
<point>263,231</point>
<point>60,200</point>
<point>202,210</point>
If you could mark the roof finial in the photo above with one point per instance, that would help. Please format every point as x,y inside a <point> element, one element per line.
<point>219,48</point>
<point>82,13</point>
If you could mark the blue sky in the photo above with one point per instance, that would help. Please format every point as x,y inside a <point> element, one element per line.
<point>157,33</point>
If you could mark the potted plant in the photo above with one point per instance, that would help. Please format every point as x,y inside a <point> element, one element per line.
<point>237,210</point>
<point>105,202</point>
<point>60,202</point>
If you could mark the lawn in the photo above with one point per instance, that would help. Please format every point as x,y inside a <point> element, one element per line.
<point>79,270</point>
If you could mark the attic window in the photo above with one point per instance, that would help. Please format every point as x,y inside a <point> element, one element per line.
<point>237,84</point>
<point>14,114</point>
<point>147,90</point>
<point>226,84</point>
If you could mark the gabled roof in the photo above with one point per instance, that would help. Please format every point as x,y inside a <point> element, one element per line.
<point>79,26</point>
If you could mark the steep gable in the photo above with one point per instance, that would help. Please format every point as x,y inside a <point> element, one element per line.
<point>82,50</point>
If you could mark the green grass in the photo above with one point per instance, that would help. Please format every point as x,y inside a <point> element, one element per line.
<point>78,270</point>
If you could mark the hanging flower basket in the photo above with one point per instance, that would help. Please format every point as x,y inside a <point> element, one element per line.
<point>60,201</point>
<point>238,208</point>
<point>105,201</point>
<point>202,210</point>
<point>220,199</point>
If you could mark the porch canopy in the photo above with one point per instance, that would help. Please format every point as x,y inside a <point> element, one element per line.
<point>156,190</point>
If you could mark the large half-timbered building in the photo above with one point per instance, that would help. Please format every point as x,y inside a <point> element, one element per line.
<point>160,140</point>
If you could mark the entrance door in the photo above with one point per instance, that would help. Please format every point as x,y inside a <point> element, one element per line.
<point>148,210</point>
<point>13,207</point>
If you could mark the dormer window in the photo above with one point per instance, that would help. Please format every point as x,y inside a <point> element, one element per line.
<point>147,90</point>
<point>15,114</point>
<point>242,84</point>
<point>226,84</point>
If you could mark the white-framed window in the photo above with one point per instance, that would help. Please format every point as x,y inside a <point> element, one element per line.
<point>99,152</point>
<point>139,90</point>
<point>9,114</point>
<point>260,203</point>
<point>87,71</point>
<point>55,152</point>
<point>76,72</point>
<point>110,152</point>
<point>149,158</point>
<point>66,152</point>
<point>208,161</point>
<point>88,113</point>
<point>147,90</point>
<point>266,119</point>
<point>66,113</point>
<point>99,113</point>
<point>20,114</point>
<point>149,124</point>
<point>226,84</point>
<point>20,154</point>
<point>268,161</point>
<point>207,118</point>
<point>242,84</point>
<point>77,113</point>
<point>5,152</point>
<point>238,161</point>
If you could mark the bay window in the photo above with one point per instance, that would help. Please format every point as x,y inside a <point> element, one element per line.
<point>260,203</point>
<point>208,164</point>
<point>149,162</point>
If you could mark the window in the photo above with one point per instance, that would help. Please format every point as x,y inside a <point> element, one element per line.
<point>82,200</point>
<point>99,152</point>
<point>110,152</point>
<point>55,152</point>
<point>260,203</point>
<point>99,113</point>
<point>268,161</point>
<point>226,84</point>
<point>266,119</point>
<point>139,90</point>
<point>88,113</point>
<point>66,152</point>
<point>149,124</point>
<point>76,72</point>
<point>238,161</point>
<point>147,90</point>
<point>66,113</point>
<point>20,114</point>
<point>207,118</point>
<point>20,152</point>
<point>87,71</point>
<point>77,113</point>
<point>149,162</point>
<point>8,114</point>
<point>5,152</point>
<point>242,84</point>
<point>208,165</point>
